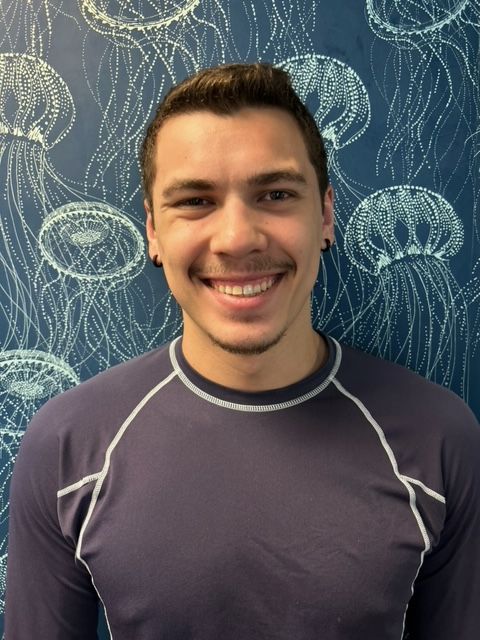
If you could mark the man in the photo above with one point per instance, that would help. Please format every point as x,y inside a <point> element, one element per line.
<point>253,479</point>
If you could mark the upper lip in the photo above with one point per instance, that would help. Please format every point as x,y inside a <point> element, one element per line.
<point>246,272</point>
<point>241,279</point>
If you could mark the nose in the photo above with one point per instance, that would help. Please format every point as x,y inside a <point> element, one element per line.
<point>239,230</point>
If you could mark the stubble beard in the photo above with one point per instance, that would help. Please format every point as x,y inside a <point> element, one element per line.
<point>252,349</point>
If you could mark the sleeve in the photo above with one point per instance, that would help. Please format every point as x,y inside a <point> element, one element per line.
<point>446,598</point>
<point>49,595</point>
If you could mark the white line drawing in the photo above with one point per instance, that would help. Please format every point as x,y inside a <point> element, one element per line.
<point>429,82</point>
<point>148,46</point>
<point>335,95</point>
<point>402,237</point>
<point>73,295</point>
<point>92,241</point>
<point>36,113</point>
<point>339,102</point>
<point>414,17</point>
<point>28,377</point>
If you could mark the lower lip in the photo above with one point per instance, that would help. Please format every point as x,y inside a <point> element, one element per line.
<point>246,303</point>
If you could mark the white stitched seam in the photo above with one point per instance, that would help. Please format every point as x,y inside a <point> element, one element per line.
<point>428,491</point>
<point>77,485</point>
<point>254,408</point>
<point>412,496</point>
<point>108,454</point>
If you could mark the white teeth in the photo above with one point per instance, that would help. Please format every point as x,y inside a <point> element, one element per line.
<point>248,290</point>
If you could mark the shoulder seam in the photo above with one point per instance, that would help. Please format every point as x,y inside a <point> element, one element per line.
<point>106,466</point>
<point>393,461</point>
<point>77,485</point>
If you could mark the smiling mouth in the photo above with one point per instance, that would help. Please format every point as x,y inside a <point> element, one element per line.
<point>248,290</point>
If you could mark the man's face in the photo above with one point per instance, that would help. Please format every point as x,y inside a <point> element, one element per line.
<point>238,224</point>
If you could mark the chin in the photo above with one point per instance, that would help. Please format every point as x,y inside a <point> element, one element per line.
<point>247,347</point>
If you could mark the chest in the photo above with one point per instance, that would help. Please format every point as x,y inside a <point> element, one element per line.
<point>199,536</point>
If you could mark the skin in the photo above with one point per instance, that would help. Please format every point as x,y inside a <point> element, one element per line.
<point>236,203</point>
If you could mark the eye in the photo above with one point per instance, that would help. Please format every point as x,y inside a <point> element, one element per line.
<point>277,195</point>
<point>193,202</point>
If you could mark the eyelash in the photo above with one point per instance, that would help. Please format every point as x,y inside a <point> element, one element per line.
<point>199,201</point>
<point>192,202</point>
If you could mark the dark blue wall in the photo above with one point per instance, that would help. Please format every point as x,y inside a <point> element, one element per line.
<point>394,87</point>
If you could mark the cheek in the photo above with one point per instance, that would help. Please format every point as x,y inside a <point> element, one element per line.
<point>305,245</point>
<point>180,248</point>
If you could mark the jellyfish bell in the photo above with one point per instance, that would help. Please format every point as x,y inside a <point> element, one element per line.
<point>403,19</point>
<point>92,242</point>
<point>32,375</point>
<point>35,102</point>
<point>143,16</point>
<point>401,221</point>
<point>334,94</point>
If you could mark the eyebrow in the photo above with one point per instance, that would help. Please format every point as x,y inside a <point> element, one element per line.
<point>264,179</point>
<point>256,180</point>
<point>187,185</point>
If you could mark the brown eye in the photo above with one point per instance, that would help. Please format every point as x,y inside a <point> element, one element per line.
<point>277,195</point>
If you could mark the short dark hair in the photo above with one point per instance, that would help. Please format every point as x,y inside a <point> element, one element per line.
<point>224,90</point>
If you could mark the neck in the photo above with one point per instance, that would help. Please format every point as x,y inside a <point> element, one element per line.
<point>279,366</point>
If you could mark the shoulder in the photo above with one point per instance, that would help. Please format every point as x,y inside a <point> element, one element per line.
<point>71,432</point>
<point>434,435</point>
<point>391,389</point>
<point>112,392</point>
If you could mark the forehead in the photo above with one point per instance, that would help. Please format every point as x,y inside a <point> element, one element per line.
<point>250,138</point>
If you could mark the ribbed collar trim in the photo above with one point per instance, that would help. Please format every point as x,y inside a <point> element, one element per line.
<point>274,400</point>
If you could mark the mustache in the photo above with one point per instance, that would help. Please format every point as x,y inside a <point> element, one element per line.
<point>259,264</point>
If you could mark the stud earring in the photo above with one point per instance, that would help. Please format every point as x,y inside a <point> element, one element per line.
<point>156,262</point>
<point>328,244</point>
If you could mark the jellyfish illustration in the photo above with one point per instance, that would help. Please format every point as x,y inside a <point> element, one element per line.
<point>339,102</point>
<point>471,293</point>
<point>335,95</point>
<point>425,62</point>
<point>415,17</point>
<point>402,238</point>
<point>36,112</point>
<point>92,242</point>
<point>27,379</point>
<point>26,26</point>
<point>93,258</point>
<point>148,46</point>
<point>9,443</point>
<point>3,580</point>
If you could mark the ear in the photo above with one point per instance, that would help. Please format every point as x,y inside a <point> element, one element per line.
<point>328,216</point>
<point>152,242</point>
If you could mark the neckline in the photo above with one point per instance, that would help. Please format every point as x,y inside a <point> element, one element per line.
<point>262,401</point>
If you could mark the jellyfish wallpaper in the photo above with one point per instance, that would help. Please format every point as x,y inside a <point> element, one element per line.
<point>394,85</point>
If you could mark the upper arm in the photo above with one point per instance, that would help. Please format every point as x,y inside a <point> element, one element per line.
<point>446,598</point>
<point>49,595</point>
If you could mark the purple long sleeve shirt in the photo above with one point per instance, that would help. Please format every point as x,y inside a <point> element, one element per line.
<point>343,507</point>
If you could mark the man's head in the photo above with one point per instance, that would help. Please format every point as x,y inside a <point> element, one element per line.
<point>238,211</point>
<point>226,90</point>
